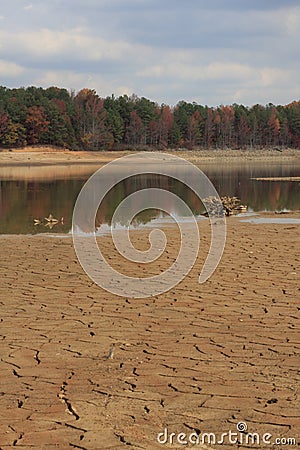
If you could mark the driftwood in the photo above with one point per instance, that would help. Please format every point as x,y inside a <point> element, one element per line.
<point>228,206</point>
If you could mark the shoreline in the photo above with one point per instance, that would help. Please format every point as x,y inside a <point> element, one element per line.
<point>43,156</point>
<point>279,218</point>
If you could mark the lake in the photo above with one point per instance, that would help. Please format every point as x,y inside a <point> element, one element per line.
<point>27,194</point>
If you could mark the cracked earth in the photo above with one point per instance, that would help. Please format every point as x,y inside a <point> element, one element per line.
<point>82,368</point>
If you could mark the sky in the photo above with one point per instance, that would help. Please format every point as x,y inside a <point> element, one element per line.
<point>211,52</point>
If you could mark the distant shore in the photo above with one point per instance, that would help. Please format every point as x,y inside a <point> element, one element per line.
<point>33,163</point>
<point>36,156</point>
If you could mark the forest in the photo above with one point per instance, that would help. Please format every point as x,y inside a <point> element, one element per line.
<point>85,121</point>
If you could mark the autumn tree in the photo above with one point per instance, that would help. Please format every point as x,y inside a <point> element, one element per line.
<point>242,126</point>
<point>273,128</point>
<point>209,136</point>
<point>3,124</point>
<point>284,132</point>
<point>135,134</point>
<point>36,124</point>
<point>153,133</point>
<point>14,136</point>
<point>293,114</point>
<point>226,126</point>
<point>91,118</point>
<point>165,124</point>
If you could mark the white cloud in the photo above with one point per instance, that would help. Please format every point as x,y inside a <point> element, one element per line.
<point>291,20</point>
<point>274,76</point>
<point>193,72</point>
<point>10,69</point>
<point>62,78</point>
<point>73,43</point>
<point>122,90</point>
<point>70,80</point>
<point>274,94</point>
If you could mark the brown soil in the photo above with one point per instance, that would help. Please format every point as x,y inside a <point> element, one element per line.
<point>50,155</point>
<point>197,358</point>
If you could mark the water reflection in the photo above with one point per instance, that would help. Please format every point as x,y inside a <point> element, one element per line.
<point>23,200</point>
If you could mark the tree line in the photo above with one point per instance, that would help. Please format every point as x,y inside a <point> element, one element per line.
<point>85,121</point>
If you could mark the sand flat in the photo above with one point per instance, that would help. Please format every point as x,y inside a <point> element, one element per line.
<point>197,358</point>
<point>50,156</point>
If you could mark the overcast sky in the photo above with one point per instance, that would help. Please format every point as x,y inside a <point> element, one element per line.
<point>208,51</point>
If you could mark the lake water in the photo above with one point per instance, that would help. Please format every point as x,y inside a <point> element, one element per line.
<point>27,194</point>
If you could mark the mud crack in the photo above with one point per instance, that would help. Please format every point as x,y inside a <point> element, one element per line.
<point>62,395</point>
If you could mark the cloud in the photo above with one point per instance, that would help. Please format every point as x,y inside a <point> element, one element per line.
<point>212,52</point>
<point>10,69</point>
<point>74,44</point>
<point>70,80</point>
<point>192,72</point>
<point>290,19</point>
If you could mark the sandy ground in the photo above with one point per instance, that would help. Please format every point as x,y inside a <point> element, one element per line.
<point>49,156</point>
<point>199,358</point>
